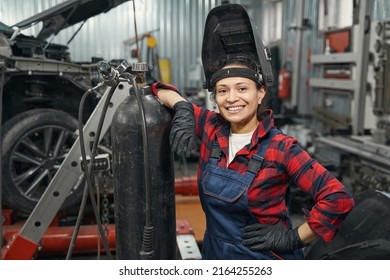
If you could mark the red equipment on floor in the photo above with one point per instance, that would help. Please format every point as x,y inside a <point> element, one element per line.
<point>57,238</point>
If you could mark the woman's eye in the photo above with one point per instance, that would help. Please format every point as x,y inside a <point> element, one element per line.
<point>222,91</point>
<point>242,89</point>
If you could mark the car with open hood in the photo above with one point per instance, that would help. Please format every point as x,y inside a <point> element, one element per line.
<point>41,88</point>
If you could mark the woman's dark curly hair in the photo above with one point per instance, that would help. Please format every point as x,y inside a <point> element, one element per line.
<point>246,62</point>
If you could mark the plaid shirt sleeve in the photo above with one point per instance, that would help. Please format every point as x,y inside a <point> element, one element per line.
<point>333,201</point>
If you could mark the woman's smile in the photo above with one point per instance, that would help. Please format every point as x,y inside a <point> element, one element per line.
<point>235,109</point>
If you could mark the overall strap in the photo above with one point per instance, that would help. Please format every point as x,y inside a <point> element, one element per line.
<point>216,153</point>
<point>257,159</point>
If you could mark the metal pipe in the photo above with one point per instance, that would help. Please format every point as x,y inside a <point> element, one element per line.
<point>296,84</point>
<point>186,186</point>
<point>353,148</point>
<point>361,50</point>
<point>57,239</point>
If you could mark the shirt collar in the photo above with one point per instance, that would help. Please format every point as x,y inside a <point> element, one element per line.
<point>265,124</point>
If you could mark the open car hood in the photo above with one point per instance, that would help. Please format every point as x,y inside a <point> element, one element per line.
<point>67,14</point>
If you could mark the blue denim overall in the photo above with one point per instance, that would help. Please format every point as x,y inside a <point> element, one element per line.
<point>224,197</point>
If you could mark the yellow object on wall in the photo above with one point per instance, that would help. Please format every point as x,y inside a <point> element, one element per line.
<point>151,42</point>
<point>165,69</point>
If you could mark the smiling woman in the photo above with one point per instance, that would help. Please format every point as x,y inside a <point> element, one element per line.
<point>246,164</point>
<point>245,168</point>
<point>239,92</point>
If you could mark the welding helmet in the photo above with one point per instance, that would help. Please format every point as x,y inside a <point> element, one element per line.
<point>229,33</point>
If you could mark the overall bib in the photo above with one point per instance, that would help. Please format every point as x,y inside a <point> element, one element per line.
<point>224,197</point>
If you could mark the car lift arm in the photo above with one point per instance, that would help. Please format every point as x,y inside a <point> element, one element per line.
<point>25,243</point>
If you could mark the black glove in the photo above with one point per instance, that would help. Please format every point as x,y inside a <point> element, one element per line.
<point>278,238</point>
<point>182,137</point>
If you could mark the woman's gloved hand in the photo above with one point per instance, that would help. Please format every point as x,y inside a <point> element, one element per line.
<point>183,137</point>
<point>260,237</point>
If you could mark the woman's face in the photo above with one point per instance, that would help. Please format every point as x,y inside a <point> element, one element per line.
<point>237,99</point>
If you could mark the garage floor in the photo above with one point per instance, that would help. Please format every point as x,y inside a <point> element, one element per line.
<point>188,206</point>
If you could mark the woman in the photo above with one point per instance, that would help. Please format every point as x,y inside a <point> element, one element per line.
<point>245,168</point>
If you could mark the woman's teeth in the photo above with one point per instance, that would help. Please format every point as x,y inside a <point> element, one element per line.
<point>235,108</point>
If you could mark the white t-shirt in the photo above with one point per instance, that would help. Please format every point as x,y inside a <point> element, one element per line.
<point>237,142</point>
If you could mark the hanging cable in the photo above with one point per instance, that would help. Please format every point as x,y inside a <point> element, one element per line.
<point>136,34</point>
<point>92,158</point>
<point>147,250</point>
<point>88,170</point>
<point>84,197</point>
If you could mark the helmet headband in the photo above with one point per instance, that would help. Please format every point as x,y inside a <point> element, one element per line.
<point>235,72</point>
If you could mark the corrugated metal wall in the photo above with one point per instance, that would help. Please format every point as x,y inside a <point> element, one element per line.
<point>177,25</point>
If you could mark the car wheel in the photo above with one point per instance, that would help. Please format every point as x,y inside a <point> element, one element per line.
<point>35,143</point>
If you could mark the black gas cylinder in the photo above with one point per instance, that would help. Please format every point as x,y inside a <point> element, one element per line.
<point>128,172</point>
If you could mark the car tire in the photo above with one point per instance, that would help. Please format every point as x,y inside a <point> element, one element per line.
<point>34,144</point>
